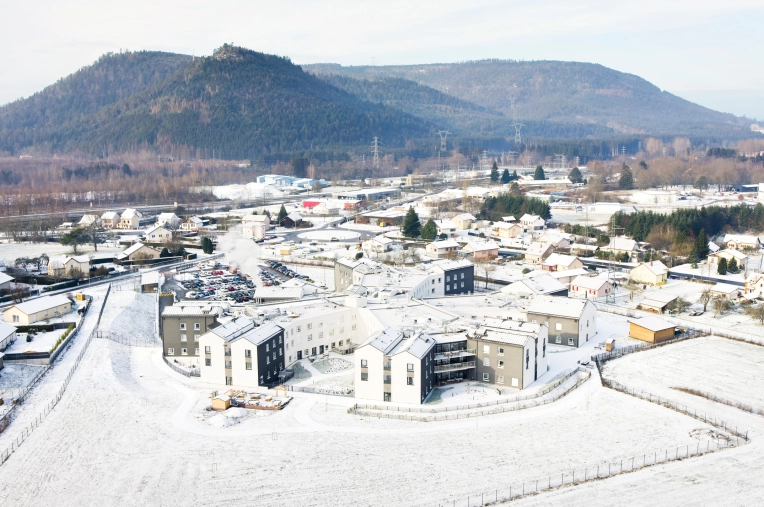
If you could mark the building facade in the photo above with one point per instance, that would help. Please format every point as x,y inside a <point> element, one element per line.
<point>181,328</point>
<point>570,322</point>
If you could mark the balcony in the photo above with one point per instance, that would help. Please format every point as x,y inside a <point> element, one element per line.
<point>456,353</point>
<point>388,380</point>
<point>386,366</point>
<point>463,365</point>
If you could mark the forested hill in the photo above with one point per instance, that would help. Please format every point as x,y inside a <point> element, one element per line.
<point>237,102</point>
<point>560,92</point>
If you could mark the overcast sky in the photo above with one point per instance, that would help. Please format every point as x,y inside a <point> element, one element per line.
<point>706,51</point>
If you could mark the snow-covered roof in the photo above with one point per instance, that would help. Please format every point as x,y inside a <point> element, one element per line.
<point>417,345</point>
<point>42,303</point>
<point>279,292</point>
<point>725,288</point>
<point>150,277</point>
<point>622,243</point>
<point>581,246</point>
<point>195,220</point>
<point>713,247</point>
<point>538,285</point>
<point>110,215</point>
<point>132,249</point>
<point>63,259</point>
<point>732,253</point>
<point>560,260</point>
<point>507,338</point>
<point>294,216</point>
<point>465,216</point>
<point>658,299</point>
<point>130,213</point>
<point>537,248</point>
<point>444,224</point>
<point>589,282</point>
<point>444,265</point>
<point>509,218</point>
<point>528,218</point>
<point>260,334</point>
<point>233,328</point>
<point>446,243</point>
<point>741,238</point>
<point>184,310</point>
<point>155,227</point>
<point>5,278</point>
<point>558,306</point>
<point>89,219</point>
<point>382,239</point>
<point>385,340</point>
<point>569,273</point>
<point>255,218</point>
<point>653,324</point>
<point>6,330</point>
<point>481,246</point>
<point>504,225</point>
<point>656,267</point>
<point>167,217</point>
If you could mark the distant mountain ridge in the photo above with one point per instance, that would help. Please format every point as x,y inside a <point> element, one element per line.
<point>239,103</point>
<point>559,92</point>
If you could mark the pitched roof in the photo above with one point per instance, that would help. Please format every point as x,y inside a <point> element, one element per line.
<point>741,238</point>
<point>465,216</point>
<point>571,308</point>
<point>725,288</point>
<point>537,248</point>
<point>417,345</point>
<point>732,253</point>
<point>446,243</point>
<point>621,243</point>
<point>5,278</point>
<point>260,334</point>
<point>481,246</point>
<point>560,260</point>
<point>232,329</point>
<point>134,248</point>
<point>538,285</point>
<point>385,341</point>
<point>589,282</point>
<point>110,215</point>
<point>509,218</point>
<point>529,218</point>
<point>40,304</point>
<point>656,267</point>
<point>653,324</point>
<point>6,329</point>
<point>130,213</point>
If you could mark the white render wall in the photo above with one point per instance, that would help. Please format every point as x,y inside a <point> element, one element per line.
<point>214,374</point>
<point>400,391</point>
<point>241,376</point>
<point>425,288</point>
<point>589,315</point>
<point>372,389</point>
<point>342,324</point>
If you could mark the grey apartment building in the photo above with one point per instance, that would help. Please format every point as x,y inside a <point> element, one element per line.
<point>183,325</point>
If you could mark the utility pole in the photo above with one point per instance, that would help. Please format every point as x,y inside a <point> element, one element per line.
<point>610,269</point>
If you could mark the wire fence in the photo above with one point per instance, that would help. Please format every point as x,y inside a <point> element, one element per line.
<point>130,341</point>
<point>25,432</point>
<point>194,372</point>
<point>561,391</point>
<point>332,391</point>
<point>603,357</point>
<point>597,471</point>
<point>453,408</point>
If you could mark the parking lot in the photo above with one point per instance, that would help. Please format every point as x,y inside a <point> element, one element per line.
<point>219,284</point>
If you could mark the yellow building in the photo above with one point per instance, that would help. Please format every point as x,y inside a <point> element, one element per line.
<point>37,310</point>
<point>650,273</point>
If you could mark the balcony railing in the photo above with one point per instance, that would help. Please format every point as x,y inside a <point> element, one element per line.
<point>387,380</point>
<point>456,353</point>
<point>464,365</point>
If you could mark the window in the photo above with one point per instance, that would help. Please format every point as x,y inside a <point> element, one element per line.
<point>207,349</point>
<point>15,318</point>
<point>570,341</point>
<point>333,344</point>
<point>171,352</point>
<point>261,379</point>
<point>197,326</point>
<point>267,359</point>
<point>228,365</point>
<point>320,324</point>
<point>247,353</point>
<point>501,351</point>
<point>558,339</point>
<point>527,358</point>
<point>299,328</point>
<point>331,332</point>
<point>310,325</point>
<point>182,326</point>
<point>196,337</point>
<point>307,353</point>
<point>310,337</point>
<point>342,330</point>
<point>410,367</point>
<point>248,366</point>
<point>486,362</point>
<point>587,322</point>
<point>558,327</point>
<point>486,349</point>
<point>183,338</point>
<point>500,364</point>
<point>448,287</point>
<point>448,278</point>
<point>341,343</point>
<point>364,363</point>
<point>544,352</point>
<point>208,362</point>
<point>280,339</point>
<point>438,279</point>
<point>515,382</point>
<point>499,379</point>
<point>462,285</point>
<point>462,276</point>
<point>321,334</point>
<point>364,376</point>
<point>274,355</point>
<point>196,351</point>
<point>184,351</point>
<point>352,327</point>
<point>410,381</point>
<point>486,377</point>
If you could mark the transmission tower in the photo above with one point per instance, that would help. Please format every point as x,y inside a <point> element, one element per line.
<point>443,135</point>
<point>485,159</point>
<point>375,152</point>
<point>516,124</point>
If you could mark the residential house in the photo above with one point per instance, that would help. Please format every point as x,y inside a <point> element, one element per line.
<point>742,242</point>
<point>292,220</point>
<point>650,329</point>
<point>378,244</point>
<point>506,230</point>
<point>509,219</point>
<point>649,273</point>
<point>68,266</point>
<point>590,287</point>
<point>458,276</point>
<point>194,224</point>
<point>481,250</point>
<point>539,285</point>
<point>442,249</point>
<point>7,336</point>
<point>88,220</point>
<point>130,219</point>
<point>566,277</point>
<point>137,252</point>
<point>560,262</point>
<point>754,285</point>
<point>446,227</point>
<point>254,230</point>
<point>726,291</point>
<point>728,254</point>
<point>538,252</point>
<point>583,250</point>
<point>509,353</point>
<point>5,281</point>
<point>532,222</point>
<point>620,245</point>
<point>382,218</point>
<point>241,354</point>
<point>391,366</point>
<point>110,220</point>
<point>182,326</point>
<point>559,239</point>
<point>169,220</point>
<point>657,302</point>
<point>37,310</point>
<point>159,234</point>
<point>349,272</point>
<point>463,221</point>
<point>571,322</point>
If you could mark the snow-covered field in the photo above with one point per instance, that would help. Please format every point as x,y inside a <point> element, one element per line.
<point>332,365</point>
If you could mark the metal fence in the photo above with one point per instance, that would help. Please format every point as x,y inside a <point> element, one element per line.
<point>603,357</point>
<point>131,341</point>
<point>323,390</point>
<point>6,454</point>
<point>194,372</point>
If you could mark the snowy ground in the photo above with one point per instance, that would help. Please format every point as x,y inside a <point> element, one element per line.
<point>332,365</point>
<point>9,252</point>
<point>41,342</point>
